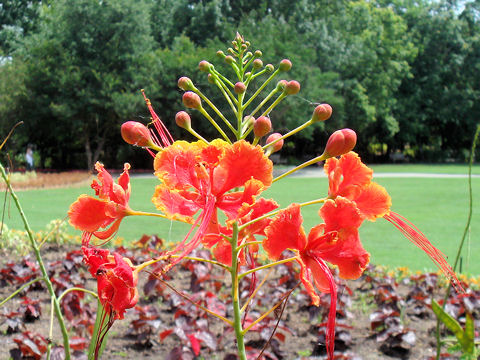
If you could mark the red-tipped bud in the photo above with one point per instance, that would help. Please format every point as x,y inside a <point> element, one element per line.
<point>191,100</point>
<point>292,88</point>
<point>183,120</point>
<point>204,66</point>
<point>281,85</point>
<point>247,74</point>
<point>244,46</point>
<point>285,65</point>
<point>229,59</point>
<point>135,133</point>
<point>211,79</point>
<point>322,112</point>
<point>278,145</point>
<point>185,83</point>
<point>269,68</point>
<point>257,64</point>
<point>239,88</point>
<point>220,54</point>
<point>262,126</point>
<point>258,53</point>
<point>340,142</point>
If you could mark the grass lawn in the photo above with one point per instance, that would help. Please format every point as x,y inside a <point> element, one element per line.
<point>437,206</point>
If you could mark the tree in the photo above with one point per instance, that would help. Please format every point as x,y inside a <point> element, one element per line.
<point>84,69</point>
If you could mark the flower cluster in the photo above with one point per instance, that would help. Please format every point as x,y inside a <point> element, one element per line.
<point>216,186</point>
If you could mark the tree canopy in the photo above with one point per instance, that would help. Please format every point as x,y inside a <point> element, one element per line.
<point>404,74</point>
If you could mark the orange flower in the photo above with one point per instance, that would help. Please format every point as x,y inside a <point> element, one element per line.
<point>91,214</point>
<point>350,178</point>
<point>200,177</point>
<point>336,241</point>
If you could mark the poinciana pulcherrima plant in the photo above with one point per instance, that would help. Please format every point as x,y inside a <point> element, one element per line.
<point>203,179</point>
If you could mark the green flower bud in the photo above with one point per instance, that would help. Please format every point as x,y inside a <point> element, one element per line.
<point>257,64</point>
<point>183,120</point>
<point>269,68</point>
<point>239,88</point>
<point>285,65</point>
<point>185,83</point>
<point>191,100</point>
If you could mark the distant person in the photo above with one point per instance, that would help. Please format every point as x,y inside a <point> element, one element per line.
<point>29,159</point>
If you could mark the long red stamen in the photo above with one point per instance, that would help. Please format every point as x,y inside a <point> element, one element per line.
<point>412,233</point>
<point>332,313</point>
<point>205,218</point>
<point>165,136</point>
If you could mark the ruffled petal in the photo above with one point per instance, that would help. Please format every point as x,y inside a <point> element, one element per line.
<point>230,203</point>
<point>88,214</point>
<point>176,164</point>
<point>373,201</point>
<point>340,213</point>
<point>174,204</point>
<point>240,163</point>
<point>285,232</point>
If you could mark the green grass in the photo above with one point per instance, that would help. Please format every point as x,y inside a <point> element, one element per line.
<point>436,206</point>
<point>426,168</point>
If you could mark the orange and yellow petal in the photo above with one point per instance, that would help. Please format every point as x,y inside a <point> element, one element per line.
<point>340,213</point>
<point>173,204</point>
<point>241,162</point>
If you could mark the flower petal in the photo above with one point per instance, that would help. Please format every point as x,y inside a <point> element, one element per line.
<point>285,232</point>
<point>88,213</point>
<point>174,204</point>
<point>346,174</point>
<point>373,201</point>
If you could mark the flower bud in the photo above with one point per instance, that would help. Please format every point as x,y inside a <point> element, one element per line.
<point>239,88</point>
<point>258,53</point>
<point>269,68</point>
<point>285,65</point>
<point>211,79</point>
<point>248,120</point>
<point>135,133</point>
<point>292,88</point>
<point>204,66</point>
<point>278,145</point>
<point>257,64</point>
<point>220,54</point>
<point>340,142</point>
<point>247,74</point>
<point>185,83</point>
<point>229,59</point>
<point>183,120</point>
<point>191,100</point>
<point>244,46</point>
<point>262,126</point>
<point>281,85</point>
<point>322,112</point>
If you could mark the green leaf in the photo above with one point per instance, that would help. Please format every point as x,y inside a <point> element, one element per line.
<point>447,320</point>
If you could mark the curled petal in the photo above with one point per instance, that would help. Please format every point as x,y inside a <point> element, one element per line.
<point>346,174</point>
<point>340,213</point>
<point>230,203</point>
<point>174,204</point>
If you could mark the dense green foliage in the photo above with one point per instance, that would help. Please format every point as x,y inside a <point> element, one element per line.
<point>404,74</point>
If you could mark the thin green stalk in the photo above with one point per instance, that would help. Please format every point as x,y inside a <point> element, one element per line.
<point>214,123</point>
<point>266,266</point>
<point>12,295</point>
<point>301,166</point>
<point>48,283</point>
<point>465,232</point>
<point>237,317</point>
<point>214,108</point>
<point>268,97</point>
<point>290,133</point>
<point>275,103</point>
<point>259,90</point>
<point>77,289</point>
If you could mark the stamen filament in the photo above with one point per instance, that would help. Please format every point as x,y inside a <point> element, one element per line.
<point>266,266</point>
<point>252,295</point>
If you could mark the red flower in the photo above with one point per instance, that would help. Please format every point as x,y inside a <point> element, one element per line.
<point>116,280</point>
<point>336,241</point>
<point>90,214</point>
<point>350,178</point>
<point>199,177</point>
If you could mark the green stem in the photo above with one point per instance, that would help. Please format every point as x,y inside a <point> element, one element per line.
<point>301,166</point>
<point>259,90</point>
<point>214,123</point>
<point>268,97</point>
<point>266,267</point>
<point>290,133</point>
<point>237,317</point>
<point>465,232</point>
<point>275,103</point>
<point>43,270</point>
<point>12,295</point>
<point>214,108</point>
<point>77,289</point>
